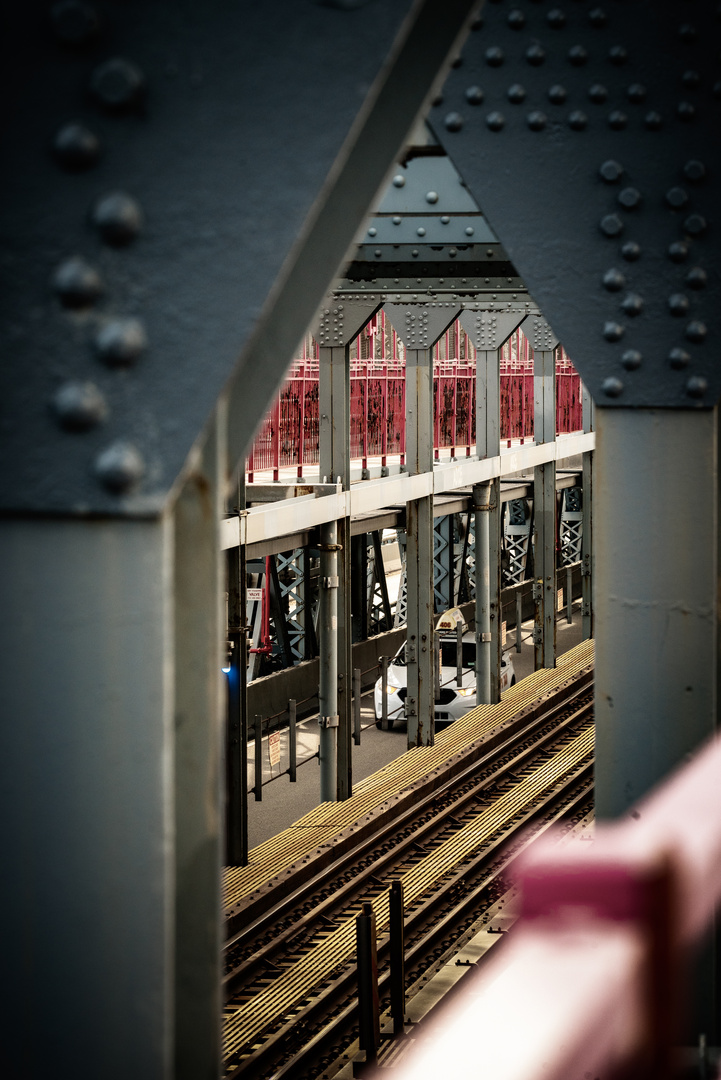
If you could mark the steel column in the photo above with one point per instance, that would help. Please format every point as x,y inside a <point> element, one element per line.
<point>420,705</point>
<point>334,463</point>
<point>655,631</point>
<point>587,525</point>
<point>482,510</point>
<point>199,628</point>
<point>544,517</point>
<point>237,745</point>
<point>328,668</point>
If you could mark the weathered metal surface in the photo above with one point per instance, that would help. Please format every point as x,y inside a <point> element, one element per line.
<point>168,170</point>
<point>589,139</point>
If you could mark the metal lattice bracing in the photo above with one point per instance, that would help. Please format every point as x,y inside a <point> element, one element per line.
<point>400,617</point>
<point>571,525</point>
<point>291,567</point>
<point>465,558</point>
<point>443,562</point>
<point>380,616</point>
<point>516,536</point>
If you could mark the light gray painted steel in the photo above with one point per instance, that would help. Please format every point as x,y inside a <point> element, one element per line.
<point>328,653</point>
<point>410,185</point>
<point>443,562</point>
<point>655,626</point>
<point>587,580</point>
<point>544,499</point>
<point>482,511</point>
<point>494,575</point>
<point>199,629</point>
<point>88,785</point>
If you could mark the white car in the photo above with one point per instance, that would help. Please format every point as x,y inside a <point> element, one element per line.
<point>455,700</point>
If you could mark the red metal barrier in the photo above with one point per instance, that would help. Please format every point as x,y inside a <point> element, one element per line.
<point>289,433</point>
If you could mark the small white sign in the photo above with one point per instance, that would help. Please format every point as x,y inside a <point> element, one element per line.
<point>559,600</point>
<point>274,748</point>
<point>254,595</point>
<point>503,633</point>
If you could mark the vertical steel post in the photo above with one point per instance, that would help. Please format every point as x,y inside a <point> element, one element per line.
<point>544,500</point>
<point>519,620</point>
<point>459,654</point>
<point>419,551</point>
<point>334,462</point>
<point>481,509</point>
<point>237,735</point>
<point>386,723</point>
<point>587,525</point>
<point>397,956</point>
<point>368,1001</point>
<point>328,673</point>
<point>258,757</point>
<point>357,706</point>
<point>569,594</point>
<point>292,741</point>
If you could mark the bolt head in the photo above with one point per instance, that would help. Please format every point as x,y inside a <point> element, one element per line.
<point>611,171</point>
<point>74,23</point>
<point>118,84</point>
<point>679,359</point>
<point>453,122</point>
<point>611,225</point>
<point>76,283</point>
<point>79,406</point>
<point>678,304</point>
<point>631,359</point>
<point>612,387</point>
<point>474,95</point>
<point>495,121</point>
<point>696,386</point>
<point>119,467</point>
<point>118,218</point>
<point>76,147</point>
<point>121,341</point>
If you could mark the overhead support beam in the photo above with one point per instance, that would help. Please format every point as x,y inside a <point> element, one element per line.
<point>544,343</point>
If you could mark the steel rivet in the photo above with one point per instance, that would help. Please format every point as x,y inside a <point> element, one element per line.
<point>420,231</point>
<point>495,121</point>
<point>613,280</point>
<point>618,55</point>
<point>516,94</point>
<point>612,387</point>
<point>679,359</point>
<point>653,121</point>
<point>397,220</point>
<point>695,224</point>
<point>414,253</point>
<point>611,171</point>
<point>469,230</point>
<point>431,196</point>
<point>77,283</point>
<point>696,277</point>
<point>494,56</point>
<point>678,304</point>
<point>678,251</point>
<point>685,110</point>
<point>577,55</point>
<point>629,198</point>
<point>452,252</point>
<point>612,331</point>
<point>118,84</point>
<point>474,95</point>
<point>119,467</point>
<point>372,231</point>
<point>631,251</point>
<point>611,225</point>
<point>597,94</point>
<point>687,32</point>
<point>578,121</point>
<point>557,94</point>
<point>76,147</point>
<point>691,79</point>
<point>696,331</point>
<point>516,19</point>
<point>631,359</point>
<point>399,180</point>
<point>696,386</point>
<point>536,120</point>
<point>676,197</point>
<point>79,406</point>
<point>617,120</point>
<point>445,219</point>
<point>598,17</point>
<point>74,23</point>
<point>694,170</point>
<point>121,341</point>
<point>556,19</point>
<point>118,218</point>
<point>453,121</point>
<point>636,93</point>
<point>535,54</point>
<point>632,304</point>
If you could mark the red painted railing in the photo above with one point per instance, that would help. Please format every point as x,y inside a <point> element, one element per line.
<point>288,436</point>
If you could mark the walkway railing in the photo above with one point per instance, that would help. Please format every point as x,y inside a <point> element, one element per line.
<point>590,982</point>
<point>289,435</point>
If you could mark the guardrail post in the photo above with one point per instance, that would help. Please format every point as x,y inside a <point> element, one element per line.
<point>519,619</point>
<point>397,956</point>
<point>569,595</point>
<point>258,735</point>
<point>356,706</point>
<point>292,741</point>
<point>368,1001</point>
<point>386,723</point>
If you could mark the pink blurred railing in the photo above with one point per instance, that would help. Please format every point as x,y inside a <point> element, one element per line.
<point>288,436</point>
<point>590,980</point>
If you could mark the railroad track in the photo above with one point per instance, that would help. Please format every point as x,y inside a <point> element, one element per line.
<point>290,976</point>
